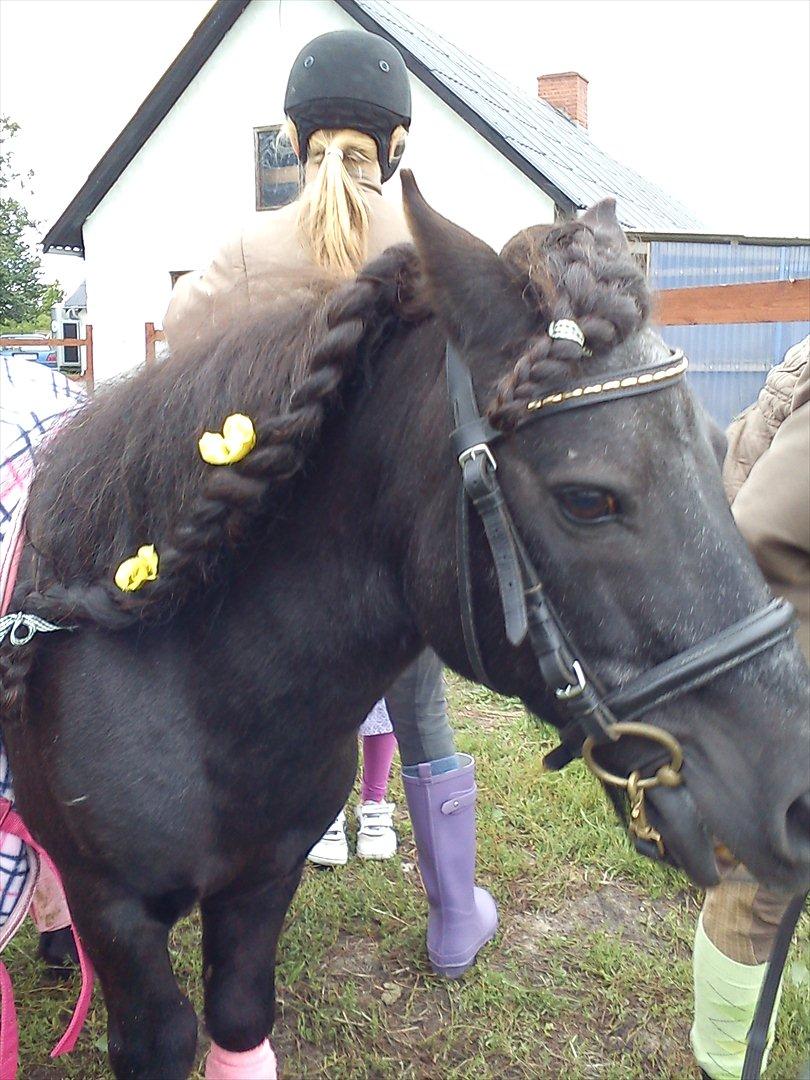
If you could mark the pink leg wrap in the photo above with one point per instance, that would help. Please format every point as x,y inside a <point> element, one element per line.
<point>378,753</point>
<point>256,1064</point>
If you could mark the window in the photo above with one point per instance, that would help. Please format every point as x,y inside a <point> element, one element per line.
<point>278,173</point>
<point>640,250</point>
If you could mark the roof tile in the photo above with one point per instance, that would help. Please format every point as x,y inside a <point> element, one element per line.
<point>548,140</point>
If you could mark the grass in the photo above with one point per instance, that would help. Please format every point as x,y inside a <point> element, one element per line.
<point>590,975</point>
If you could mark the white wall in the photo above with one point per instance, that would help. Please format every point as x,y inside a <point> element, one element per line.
<point>192,184</point>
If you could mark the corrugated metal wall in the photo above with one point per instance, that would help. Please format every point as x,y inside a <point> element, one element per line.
<point>728,364</point>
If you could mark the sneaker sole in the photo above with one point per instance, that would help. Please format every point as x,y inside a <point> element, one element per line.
<point>375,858</point>
<point>318,860</point>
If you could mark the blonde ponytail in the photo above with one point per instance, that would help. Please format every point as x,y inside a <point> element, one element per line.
<point>333,208</point>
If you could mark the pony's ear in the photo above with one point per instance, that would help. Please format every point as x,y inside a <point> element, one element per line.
<point>602,220</point>
<point>473,292</point>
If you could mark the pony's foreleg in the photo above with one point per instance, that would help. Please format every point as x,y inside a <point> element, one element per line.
<point>240,934</point>
<point>151,1025</point>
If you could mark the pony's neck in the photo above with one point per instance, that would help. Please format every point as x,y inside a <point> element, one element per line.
<point>338,588</point>
<point>391,455</point>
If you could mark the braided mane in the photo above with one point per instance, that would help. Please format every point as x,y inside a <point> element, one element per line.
<point>125,471</point>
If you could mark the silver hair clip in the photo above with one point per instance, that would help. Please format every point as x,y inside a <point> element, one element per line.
<point>334,150</point>
<point>566,330</point>
<point>20,627</point>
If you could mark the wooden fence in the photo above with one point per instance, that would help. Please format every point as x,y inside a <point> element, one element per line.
<point>152,335</point>
<point>88,375</point>
<point>759,302</point>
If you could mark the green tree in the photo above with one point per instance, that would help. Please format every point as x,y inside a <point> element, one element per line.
<point>41,321</point>
<point>22,292</point>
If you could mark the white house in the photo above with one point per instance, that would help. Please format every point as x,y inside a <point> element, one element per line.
<point>197,159</point>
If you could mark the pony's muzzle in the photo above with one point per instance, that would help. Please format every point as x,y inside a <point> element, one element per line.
<point>689,845</point>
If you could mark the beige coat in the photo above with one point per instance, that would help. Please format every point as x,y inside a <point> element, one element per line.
<point>767,474</point>
<point>750,434</point>
<point>267,261</point>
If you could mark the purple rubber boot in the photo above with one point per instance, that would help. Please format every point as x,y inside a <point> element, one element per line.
<point>462,917</point>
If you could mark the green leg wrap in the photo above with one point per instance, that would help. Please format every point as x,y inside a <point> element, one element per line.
<point>726,994</point>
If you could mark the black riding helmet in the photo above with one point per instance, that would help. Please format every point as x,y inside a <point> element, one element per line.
<point>350,79</point>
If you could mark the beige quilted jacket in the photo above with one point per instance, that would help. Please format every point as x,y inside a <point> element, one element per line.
<point>767,478</point>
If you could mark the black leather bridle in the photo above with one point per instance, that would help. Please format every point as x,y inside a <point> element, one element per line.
<point>588,717</point>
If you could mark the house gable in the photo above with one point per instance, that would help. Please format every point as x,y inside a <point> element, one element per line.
<point>65,235</point>
<point>547,148</point>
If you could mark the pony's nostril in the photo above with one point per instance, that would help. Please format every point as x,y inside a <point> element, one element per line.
<point>798,827</point>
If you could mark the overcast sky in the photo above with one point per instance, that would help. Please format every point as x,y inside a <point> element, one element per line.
<point>708,98</point>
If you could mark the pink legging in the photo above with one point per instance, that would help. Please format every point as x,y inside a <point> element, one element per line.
<point>378,753</point>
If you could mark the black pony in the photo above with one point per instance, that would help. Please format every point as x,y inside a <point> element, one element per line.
<point>163,750</point>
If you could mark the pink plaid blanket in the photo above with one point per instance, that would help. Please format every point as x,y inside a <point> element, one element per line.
<point>33,402</point>
<point>33,399</point>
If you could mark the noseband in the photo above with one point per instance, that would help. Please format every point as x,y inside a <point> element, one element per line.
<point>587,717</point>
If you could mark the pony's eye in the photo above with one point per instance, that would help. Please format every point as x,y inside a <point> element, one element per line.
<point>586,506</point>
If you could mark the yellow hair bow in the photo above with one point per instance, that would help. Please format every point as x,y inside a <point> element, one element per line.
<point>132,573</point>
<point>236,441</point>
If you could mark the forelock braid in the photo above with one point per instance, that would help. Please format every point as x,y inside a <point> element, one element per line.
<point>576,273</point>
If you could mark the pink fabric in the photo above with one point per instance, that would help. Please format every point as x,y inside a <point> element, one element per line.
<point>256,1064</point>
<point>13,823</point>
<point>11,554</point>
<point>35,401</point>
<point>9,1035</point>
<point>11,847</point>
<point>378,753</point>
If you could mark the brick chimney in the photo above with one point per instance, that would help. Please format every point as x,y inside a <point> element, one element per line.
<point>567,91</point>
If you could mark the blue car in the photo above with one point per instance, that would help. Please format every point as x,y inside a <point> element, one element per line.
<point>39,350</point>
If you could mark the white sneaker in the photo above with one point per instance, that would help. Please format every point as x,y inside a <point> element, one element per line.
<point>333,847</point>
<point>376,838</point>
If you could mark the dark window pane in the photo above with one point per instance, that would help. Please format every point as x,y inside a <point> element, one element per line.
<point>278,174</point>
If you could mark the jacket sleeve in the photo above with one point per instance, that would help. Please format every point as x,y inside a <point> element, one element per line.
<point>772,511</point>
<point>748,437</point>
<point>203,300</point>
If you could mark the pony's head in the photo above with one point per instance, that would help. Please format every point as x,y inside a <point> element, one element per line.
<point>621,510</point>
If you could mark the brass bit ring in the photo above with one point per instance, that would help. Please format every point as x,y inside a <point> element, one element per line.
<point>668,775</point>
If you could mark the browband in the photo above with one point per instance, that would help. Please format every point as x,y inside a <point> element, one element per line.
<point>622,384</point>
